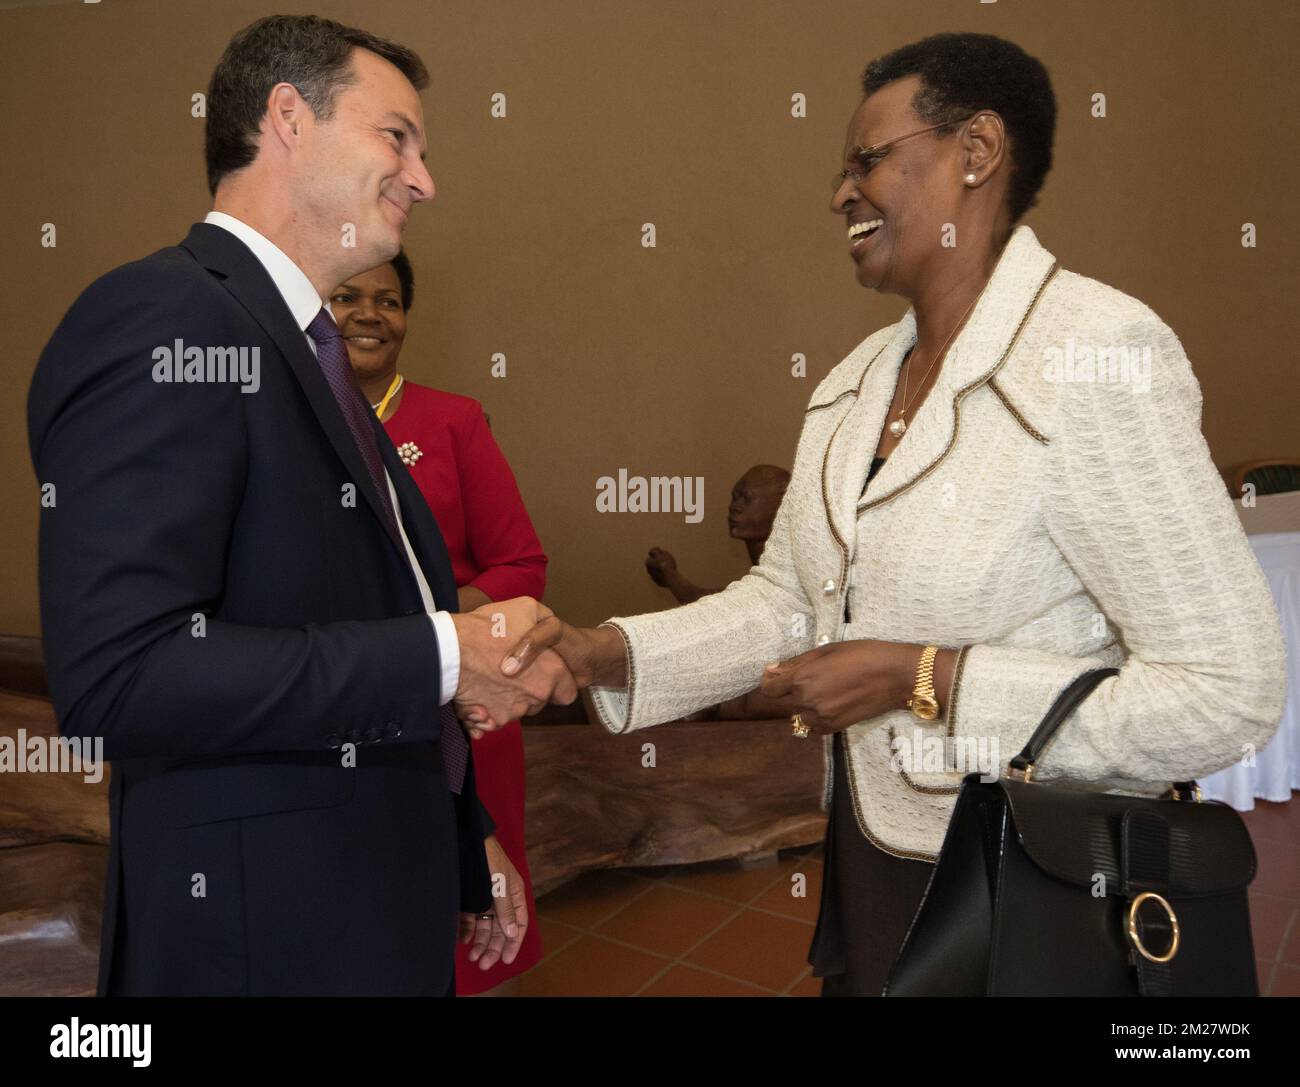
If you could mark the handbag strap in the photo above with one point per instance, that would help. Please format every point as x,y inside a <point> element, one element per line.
<point>1153,937</point>
<point>1066,703</point>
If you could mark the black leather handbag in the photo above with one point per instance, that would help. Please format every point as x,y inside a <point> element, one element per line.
<point>1045,890</point>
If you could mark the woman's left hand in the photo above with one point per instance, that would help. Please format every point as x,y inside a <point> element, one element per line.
<point>838,685</point>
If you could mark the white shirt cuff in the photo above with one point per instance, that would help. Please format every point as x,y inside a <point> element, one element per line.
<point>448,653</point>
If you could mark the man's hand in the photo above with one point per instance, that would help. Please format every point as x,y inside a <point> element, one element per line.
<point>499,935</point>
<point>485,634</point>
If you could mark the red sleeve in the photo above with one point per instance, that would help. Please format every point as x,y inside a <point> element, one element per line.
<point>498,530</point>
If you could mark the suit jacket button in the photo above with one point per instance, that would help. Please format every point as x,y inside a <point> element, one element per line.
<point>823,639</point>
<point>334,740</point>
<point>828,587</point>
<point>391,729</point>
<point>373,734</point>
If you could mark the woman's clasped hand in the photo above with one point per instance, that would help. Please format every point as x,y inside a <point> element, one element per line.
<point>840,684</point>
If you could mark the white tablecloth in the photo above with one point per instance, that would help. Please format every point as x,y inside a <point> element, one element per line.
<point>1271,513</point>
<point>1277,768</point>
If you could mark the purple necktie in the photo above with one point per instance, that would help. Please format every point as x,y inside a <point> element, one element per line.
<point>332,354</point>
<point>455,750</point>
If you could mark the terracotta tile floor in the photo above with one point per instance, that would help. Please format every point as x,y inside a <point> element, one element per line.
<point>724,929</point>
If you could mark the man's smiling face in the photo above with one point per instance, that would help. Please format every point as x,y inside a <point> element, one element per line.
<point>365,165</point>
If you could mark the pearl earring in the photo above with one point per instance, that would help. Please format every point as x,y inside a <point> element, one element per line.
<point>970,179</point>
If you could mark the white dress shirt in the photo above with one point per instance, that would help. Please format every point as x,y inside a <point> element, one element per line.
<point>304,303</point>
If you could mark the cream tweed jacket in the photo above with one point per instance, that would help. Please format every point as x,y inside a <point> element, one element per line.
<point>1043,515</point>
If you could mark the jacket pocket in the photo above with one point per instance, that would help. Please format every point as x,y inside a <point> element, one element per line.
<point>194,795</point>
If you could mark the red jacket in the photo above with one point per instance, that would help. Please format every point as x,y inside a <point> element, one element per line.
<point>468,484</point>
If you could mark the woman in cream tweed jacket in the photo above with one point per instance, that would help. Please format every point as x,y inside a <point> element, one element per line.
<point>1050,508</point>
<point>1045,527</point>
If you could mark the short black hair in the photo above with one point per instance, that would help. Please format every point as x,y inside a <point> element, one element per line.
<point>311,53</point>
<point>402,266</point>
<point>964,73</point>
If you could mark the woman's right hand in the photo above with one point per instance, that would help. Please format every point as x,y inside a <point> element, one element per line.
<point>594,655</point>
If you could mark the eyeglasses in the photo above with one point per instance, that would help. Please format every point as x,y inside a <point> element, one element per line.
<point>868,158</point>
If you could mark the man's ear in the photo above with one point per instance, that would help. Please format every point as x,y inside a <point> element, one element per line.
<point>285,111</point>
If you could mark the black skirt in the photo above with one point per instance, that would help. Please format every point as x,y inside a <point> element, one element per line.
<point>868,900</point>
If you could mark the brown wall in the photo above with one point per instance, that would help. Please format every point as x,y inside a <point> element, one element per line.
<point>675,360</point>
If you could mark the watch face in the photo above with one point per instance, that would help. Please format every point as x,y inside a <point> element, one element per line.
<point>924,707</point>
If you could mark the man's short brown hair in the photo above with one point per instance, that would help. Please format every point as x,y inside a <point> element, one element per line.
<point>311,53</point>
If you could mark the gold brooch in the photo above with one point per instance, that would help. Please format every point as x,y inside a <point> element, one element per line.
<point>409,452</point>
<point>798,728</point>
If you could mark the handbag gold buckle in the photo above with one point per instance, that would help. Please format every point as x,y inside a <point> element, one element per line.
<point>1135,937</point>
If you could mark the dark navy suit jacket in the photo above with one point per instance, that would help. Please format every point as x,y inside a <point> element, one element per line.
<point>217,611</point>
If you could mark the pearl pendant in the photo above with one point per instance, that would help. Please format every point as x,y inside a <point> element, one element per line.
<point>897,428</point>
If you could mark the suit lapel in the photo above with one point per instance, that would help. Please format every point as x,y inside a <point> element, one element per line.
<point>975,356</point>
<point>245,278</point>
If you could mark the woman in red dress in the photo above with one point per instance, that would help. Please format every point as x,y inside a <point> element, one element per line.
<point>494,550</point>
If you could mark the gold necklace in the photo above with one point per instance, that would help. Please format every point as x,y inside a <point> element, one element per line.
<point>899,427</point>
<point>393,386</point>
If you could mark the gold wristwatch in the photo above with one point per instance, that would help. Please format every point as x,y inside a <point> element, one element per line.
<point>924,703</point>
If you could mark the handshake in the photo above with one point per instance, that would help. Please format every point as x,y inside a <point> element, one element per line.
<point>516,656</point>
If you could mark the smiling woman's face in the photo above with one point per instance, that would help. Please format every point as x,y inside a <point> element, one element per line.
<point>368,310</point>
<point>910,192</point>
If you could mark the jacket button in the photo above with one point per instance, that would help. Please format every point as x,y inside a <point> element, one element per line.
<point>823,639</point>
<point>373,733</point>
<point>828,587</point>
<point>333,740</point>
<point>392,729</point>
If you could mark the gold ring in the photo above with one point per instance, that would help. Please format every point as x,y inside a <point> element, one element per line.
<point>798,728</point>
<point>1135,937</point>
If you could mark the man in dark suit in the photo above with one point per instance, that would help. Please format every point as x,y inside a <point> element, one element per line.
<point>243,592</point>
